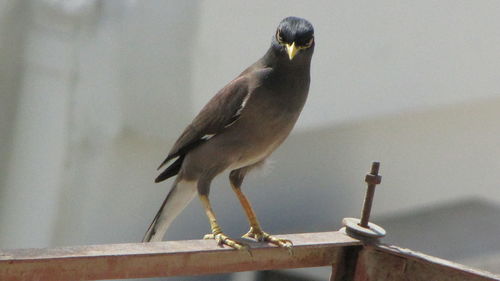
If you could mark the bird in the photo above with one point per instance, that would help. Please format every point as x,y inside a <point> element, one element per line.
<point>237,130</point>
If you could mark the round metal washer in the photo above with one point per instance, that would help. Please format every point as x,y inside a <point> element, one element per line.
<point>374,231</point>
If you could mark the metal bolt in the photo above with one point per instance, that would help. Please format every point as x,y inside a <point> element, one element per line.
<point>372,179</point>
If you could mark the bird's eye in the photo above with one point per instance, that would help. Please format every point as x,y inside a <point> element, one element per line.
<point>309,43</point>
<point>279,37</point>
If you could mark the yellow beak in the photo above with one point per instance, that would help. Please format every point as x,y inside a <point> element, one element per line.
<point>291,50</point>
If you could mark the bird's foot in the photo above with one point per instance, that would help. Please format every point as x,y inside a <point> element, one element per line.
<point>262,236</point>
<point>223,239</point>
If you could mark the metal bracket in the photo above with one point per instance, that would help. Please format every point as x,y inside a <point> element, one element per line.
<point>361,228</point>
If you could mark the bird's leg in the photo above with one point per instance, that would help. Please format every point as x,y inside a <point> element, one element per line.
<point>256,231</point>
<point>217,234</point>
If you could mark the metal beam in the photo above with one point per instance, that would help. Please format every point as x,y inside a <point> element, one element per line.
<point>392,263</point>
<point>172,258</point>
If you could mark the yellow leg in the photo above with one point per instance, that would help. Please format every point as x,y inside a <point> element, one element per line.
<point>217,233</point>
<point>256,231</point>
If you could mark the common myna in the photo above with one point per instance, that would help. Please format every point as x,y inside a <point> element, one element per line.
<point>238,129</point>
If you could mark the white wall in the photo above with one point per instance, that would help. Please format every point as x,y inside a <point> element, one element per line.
<point>11,48</point>
<point>106,88</point>
<point>34,172</point>
<point>428,157</point>
<point>372,58</point>
<point>156,44</point>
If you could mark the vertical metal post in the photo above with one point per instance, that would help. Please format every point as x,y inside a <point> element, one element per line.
<point>372,179</point>
<point>360,229</point>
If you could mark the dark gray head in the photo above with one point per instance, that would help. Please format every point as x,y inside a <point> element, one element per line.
<point>294,38</point>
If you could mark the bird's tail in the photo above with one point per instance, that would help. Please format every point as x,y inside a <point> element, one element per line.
<point>177,199</point>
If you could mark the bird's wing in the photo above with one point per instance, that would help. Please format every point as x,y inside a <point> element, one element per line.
<point>219,113</point>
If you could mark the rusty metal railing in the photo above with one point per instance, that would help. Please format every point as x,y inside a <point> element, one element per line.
<point>354,253</point>
<point>350,259</point>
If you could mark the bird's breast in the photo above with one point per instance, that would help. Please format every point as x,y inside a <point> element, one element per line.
<point>267,118</point>
<point>261,129</point>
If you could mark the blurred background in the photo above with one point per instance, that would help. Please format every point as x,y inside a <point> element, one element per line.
<point>94,93</point>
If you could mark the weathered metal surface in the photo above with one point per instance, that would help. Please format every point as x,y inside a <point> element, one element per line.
<point>391,263</point>
<point>172,258</point>
<point>343,270</point>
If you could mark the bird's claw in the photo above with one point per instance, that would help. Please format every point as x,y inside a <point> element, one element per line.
<point>262,236</point>
<point>223,239</point>
<point>257,236</point>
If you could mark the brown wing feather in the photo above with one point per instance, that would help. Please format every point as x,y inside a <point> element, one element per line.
<point>220,112</point>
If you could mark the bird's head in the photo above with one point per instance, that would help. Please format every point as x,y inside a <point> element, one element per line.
<point>294,37</point>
